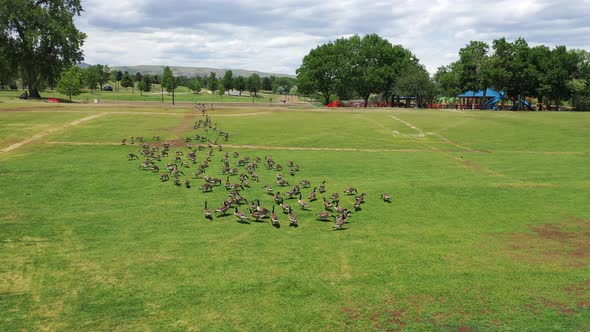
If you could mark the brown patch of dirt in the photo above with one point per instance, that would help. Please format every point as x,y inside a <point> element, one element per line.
<point>352,314</point>
<point>565,244</point>
<point>186,124</point>
<point>465,329</point>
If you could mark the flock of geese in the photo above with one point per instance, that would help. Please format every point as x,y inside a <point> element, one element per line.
<point>243,170</point>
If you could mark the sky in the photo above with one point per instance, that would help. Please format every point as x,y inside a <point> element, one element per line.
<point>274,36</point>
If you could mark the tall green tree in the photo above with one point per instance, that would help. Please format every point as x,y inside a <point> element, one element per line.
<point>138,77</point>
<point>212,82</point>
<point>240,84</point>
<point>167,79</point>
<point>118,78</point>
<point>70,82</point>
<point>266,84</point>
<point>91,77</point>
<point>126,81</point>
<point>319,71</point>
<point>228,80</point>
<point>195,86</point>
<point>40,38</point>
<point>253,84</point>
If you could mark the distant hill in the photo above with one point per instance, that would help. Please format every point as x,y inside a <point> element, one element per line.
<point>190,71</point>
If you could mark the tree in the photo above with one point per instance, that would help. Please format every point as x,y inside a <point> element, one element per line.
<point>138,77</point>
<point>212,83</point>
<point>118,77</point>
<point>103,72</point>
<point>228,82</point>
<point>126,81</point>
<point>167,79</point>
<point>91,77</point>
<point>40,38</point>
<point>446,79</point>
<point>240,84</point>
<point>147,83</point>
<point>195,86</point>
<point>266,84</point>
<point>141,87</point>
<point>319,71</point>
<point>70,83</point>
<point>253,84</point>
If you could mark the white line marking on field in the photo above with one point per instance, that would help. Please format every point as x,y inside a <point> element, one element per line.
<point>50,131</point>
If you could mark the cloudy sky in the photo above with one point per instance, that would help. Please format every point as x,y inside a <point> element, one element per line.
<point>273,36</point>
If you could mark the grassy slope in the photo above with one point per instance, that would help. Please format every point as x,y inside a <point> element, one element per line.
<point>89,242</point>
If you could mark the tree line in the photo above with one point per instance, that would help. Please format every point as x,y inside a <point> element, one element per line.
<point>361,67</point>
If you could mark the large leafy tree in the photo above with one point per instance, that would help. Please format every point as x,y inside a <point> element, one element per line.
<point>212,82</point>
<point>167,79</point>
<point>40,38</point>
<point>70,82</point>
<point>240,83</point>
<point>319,71</point>
<point>228,80</point>
<point>253,84</point>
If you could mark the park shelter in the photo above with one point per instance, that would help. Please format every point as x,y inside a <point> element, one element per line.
<point>476,98</point>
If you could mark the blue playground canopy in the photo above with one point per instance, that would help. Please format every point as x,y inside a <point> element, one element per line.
<point>471,94</point>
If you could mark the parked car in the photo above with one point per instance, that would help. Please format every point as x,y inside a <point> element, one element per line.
<point>107,88</point>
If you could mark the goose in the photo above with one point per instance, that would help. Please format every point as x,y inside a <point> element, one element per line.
<point>302,203</point>
<point>327,204</point>
<point>274,218</point>
<point>292,218</point>
<point>312,195</point>
<point>305,183</point>
<point>323,216</point>
<point>256,215</point>
<point>207,212</point>
<point>340,221</point>
<point>350,191</point>
<point>386,197</point>
<point>240,215</point>
<point>322,187</point>
<point>222,209</point>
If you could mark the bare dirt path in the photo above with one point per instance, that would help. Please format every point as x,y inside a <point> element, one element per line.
<point>50,131</point>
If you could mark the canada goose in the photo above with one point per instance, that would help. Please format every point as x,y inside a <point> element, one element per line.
<point>327,204</point>
<point>132,156</point>
<point>268,189</point>
<point>277,197</point>
<point>341,210</point>
<point>227,184</point>
<point>274,218</point>
<point>340,221</point>
<point>323,216</point>
<point>187,184</point>
<point>206,187</point>
<point>207,212</point>
<point>240,215</point>
<point>312,195</point>
<point>322,187</point>
<point>305,183</point>
<point>350,191</point>
<point>164,177</point>
<point>222,209</point>
<point>335,198</point>
<point>292,218</point>
<point>386,197</point>
<point>357,205</point>
<point>261,209</point>
<point>285,207</point>
<point>302,203</point>
<point>256,215</point>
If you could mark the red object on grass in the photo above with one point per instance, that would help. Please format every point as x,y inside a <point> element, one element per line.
<point>335,103</point>
<point>52,100</point>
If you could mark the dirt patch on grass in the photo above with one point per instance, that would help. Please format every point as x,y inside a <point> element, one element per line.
<point>565,244</point>
<point>186,125</point>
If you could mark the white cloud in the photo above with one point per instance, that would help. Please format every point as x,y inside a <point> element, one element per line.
<point>274,36</point>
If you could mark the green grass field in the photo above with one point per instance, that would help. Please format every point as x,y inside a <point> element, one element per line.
<point>488,229</point>
<point>182,94</point>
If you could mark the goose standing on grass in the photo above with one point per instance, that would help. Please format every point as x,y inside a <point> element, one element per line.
<point>292,218</point>
<point>207,212</point>
<point>274,218</point>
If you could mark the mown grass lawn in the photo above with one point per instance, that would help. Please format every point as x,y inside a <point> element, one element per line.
<point>487,230</point>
